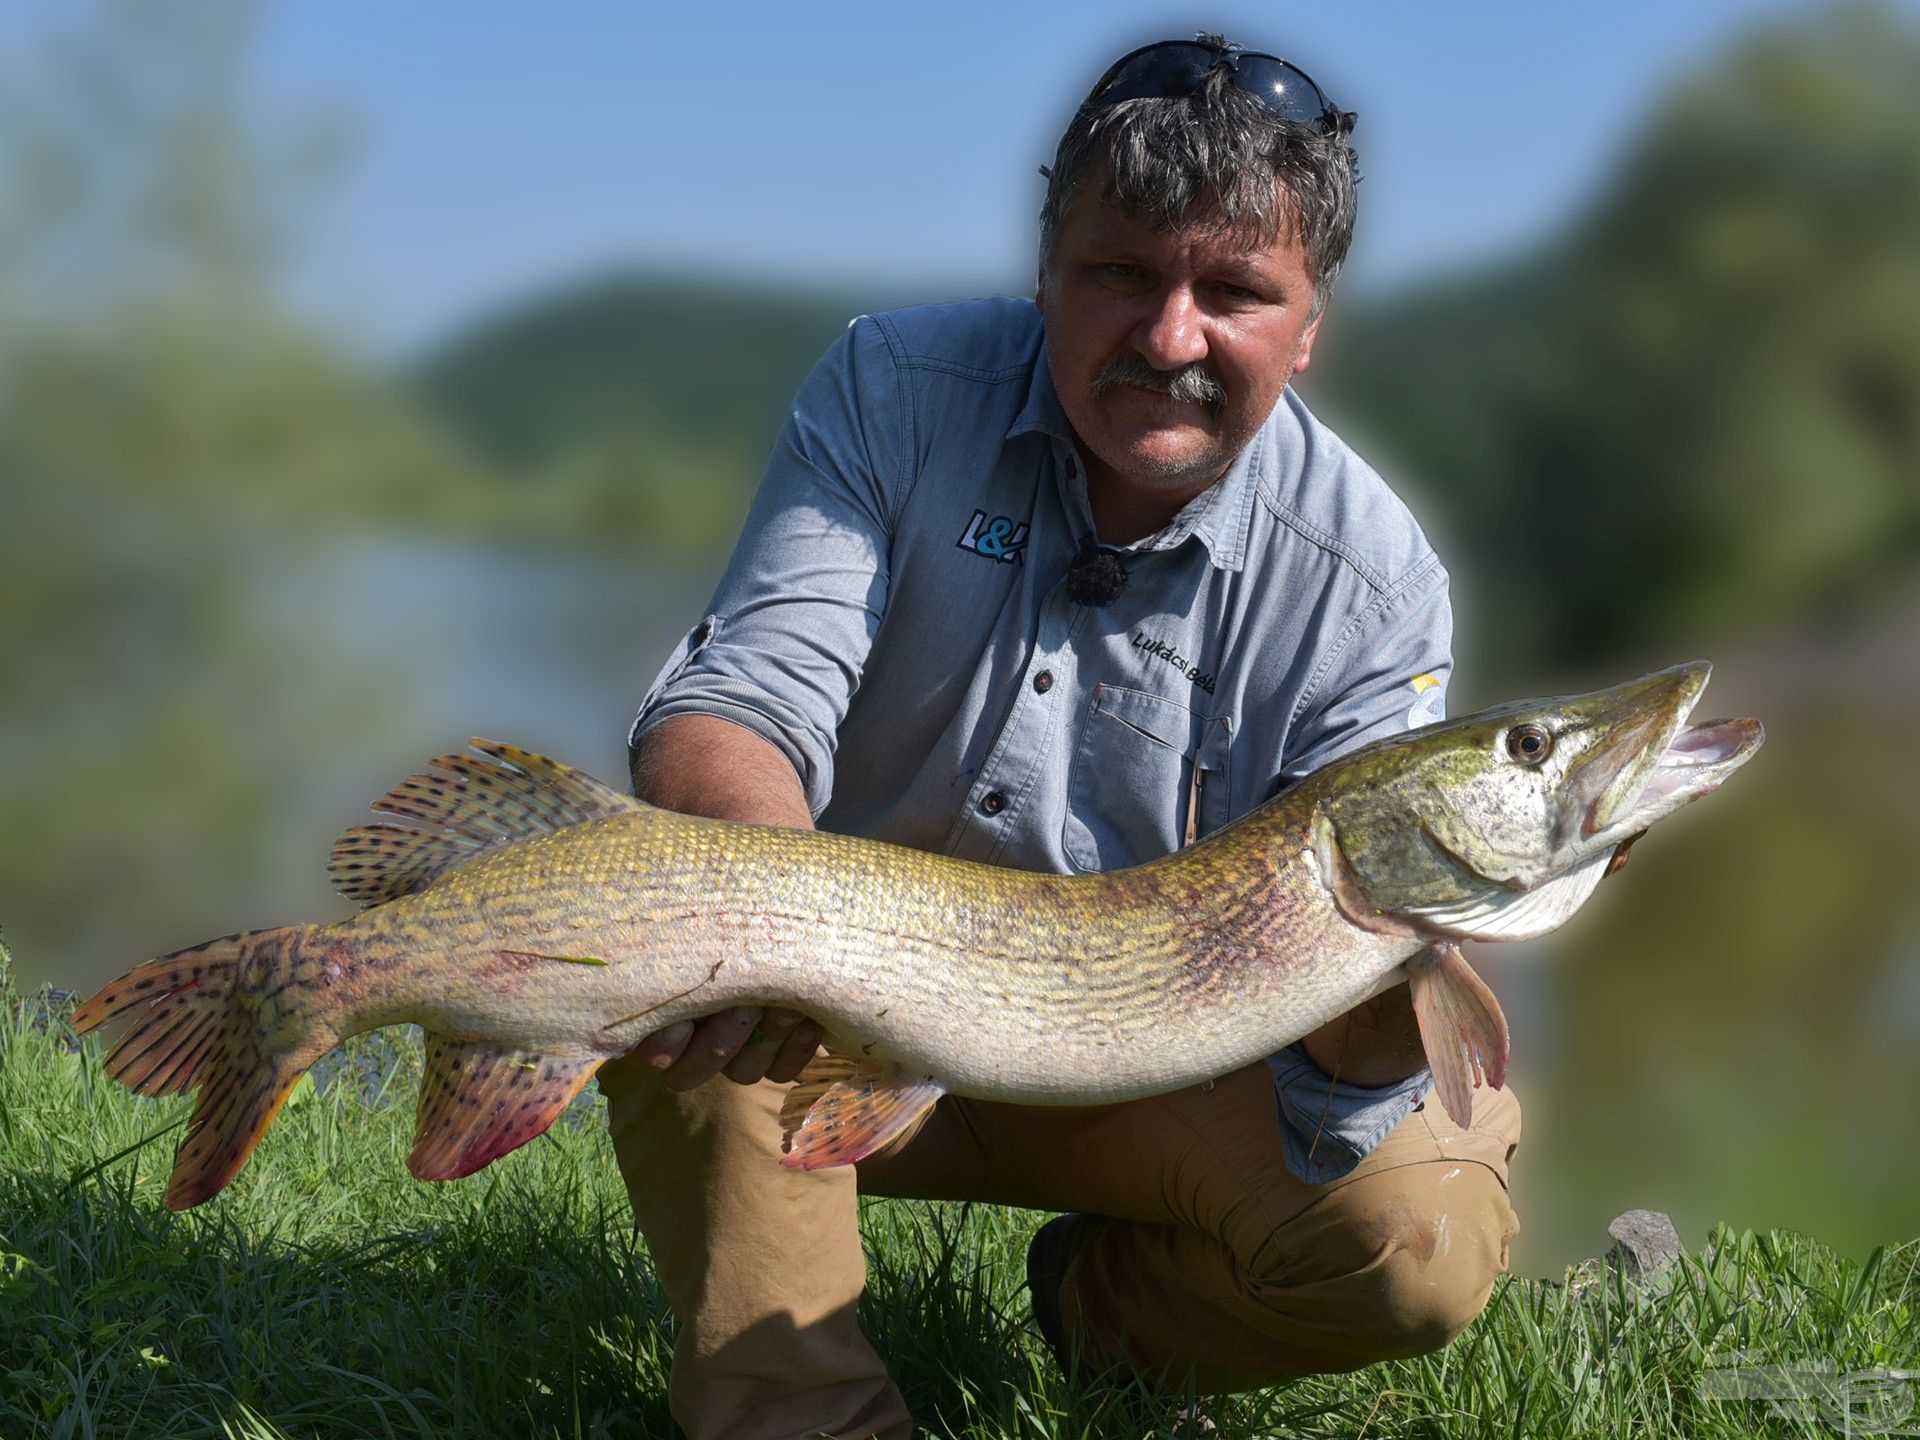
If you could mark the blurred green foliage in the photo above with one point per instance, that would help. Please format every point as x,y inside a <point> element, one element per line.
<point>1699,407</point>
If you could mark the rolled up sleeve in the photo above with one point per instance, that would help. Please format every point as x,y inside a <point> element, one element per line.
<point>782,645</point>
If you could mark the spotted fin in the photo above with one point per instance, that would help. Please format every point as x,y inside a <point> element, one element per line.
<point>228,1017</point>
<point>480,1101</point>
<point>464,806</point>
<point>1461,1026</point>
<point>842,1110</point>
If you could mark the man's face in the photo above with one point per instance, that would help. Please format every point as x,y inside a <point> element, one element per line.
<point>1121,301</point>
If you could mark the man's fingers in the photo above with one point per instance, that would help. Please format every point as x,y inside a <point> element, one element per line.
<point>660,1049</point>
<point>716,1040</point>
<point>762,1047</point>
<point>800,1046</point>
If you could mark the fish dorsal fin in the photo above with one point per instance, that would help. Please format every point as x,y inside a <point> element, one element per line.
<point>478,1101</point>
<point>842,1110</point>
<point>460,807</point>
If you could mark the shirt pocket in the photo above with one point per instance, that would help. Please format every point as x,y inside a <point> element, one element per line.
<point>1133,785</point>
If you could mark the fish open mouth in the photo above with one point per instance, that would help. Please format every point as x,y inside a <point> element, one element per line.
<point>1656,762</point>
<point>1697,760</point>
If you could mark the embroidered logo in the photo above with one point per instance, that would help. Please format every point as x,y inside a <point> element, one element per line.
<point>1000,538</point>
<point>1430,703</point>
<point>1161,650</point>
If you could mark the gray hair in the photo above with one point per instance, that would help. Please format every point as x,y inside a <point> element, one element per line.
<point>1216,157</point>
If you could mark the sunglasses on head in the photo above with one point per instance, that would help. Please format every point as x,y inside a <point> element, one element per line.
<point>1169,68</point>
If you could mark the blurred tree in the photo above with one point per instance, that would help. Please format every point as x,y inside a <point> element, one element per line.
<point>168,441</point>
<point>1700,409</point>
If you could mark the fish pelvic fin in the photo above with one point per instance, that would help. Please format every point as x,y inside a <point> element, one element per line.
<point>460,807</point>
<point>229,1016</point>
<point>478,1101</point>
<point>842,1109</point>
<point>1461,1026</point>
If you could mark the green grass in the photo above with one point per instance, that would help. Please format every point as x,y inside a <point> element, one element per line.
<point>328,1294</point>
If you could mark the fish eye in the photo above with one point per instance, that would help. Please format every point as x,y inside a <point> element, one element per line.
<point>1529,743</point>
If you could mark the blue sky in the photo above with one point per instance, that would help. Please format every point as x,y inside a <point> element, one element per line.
<point>506,147</point>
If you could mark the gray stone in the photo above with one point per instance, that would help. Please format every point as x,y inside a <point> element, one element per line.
<point>1645,1250</point>
<point>1646,1247</point>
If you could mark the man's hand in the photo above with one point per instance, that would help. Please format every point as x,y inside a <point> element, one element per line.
<point>745,1044</point>
<point>700,765</point>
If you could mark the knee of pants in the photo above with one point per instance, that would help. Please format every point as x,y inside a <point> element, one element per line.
<point>1428,1298</point>
<point>1399,1263</point>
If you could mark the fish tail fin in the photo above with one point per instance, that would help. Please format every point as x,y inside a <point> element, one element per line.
<point>228,1017</point>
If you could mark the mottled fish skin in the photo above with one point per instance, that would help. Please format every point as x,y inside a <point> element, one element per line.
<point>1005,984</point>
<point>537,923</point>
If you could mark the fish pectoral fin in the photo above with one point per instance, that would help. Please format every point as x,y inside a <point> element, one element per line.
<point>842,1110</point>
<point>478,1101</point>
<point>1461,1026</point>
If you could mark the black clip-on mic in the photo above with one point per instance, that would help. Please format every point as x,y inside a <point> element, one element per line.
<point>1098,576</point>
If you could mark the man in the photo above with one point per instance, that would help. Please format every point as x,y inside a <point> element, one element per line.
<point>1064,586</point>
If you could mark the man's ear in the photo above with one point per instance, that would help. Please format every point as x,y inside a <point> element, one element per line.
<point>1304,357</point>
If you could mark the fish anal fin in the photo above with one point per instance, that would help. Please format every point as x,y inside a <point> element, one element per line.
<point>842,1110</point>
<point>460,807</point>
<point>1349,896</point>
<point>478,1101</point>
<point>1461,1026</point>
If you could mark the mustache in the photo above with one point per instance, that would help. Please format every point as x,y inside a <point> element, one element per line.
<point>1189,382</point>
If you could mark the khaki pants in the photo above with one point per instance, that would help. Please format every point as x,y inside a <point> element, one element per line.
<point>1213,1264</point>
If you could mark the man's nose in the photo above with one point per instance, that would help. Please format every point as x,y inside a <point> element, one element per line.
<point>1171,334</point>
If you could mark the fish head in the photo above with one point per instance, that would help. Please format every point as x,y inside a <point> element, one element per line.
<point>1498,825</point>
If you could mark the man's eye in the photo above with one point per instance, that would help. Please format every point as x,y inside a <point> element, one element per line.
<point>1122,272</point>
<point>1240,295</point>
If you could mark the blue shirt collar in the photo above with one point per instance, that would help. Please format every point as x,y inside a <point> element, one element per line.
<point>1220,516</point>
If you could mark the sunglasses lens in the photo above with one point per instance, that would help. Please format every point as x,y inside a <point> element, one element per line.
<point>1284,89</point>
<point>1158,72</point>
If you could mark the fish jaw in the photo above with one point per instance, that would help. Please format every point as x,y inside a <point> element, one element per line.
<point>1653,762</point>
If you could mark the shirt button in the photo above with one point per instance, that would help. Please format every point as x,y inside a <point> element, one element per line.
<point>993,802</point>
<point>1043,682</point>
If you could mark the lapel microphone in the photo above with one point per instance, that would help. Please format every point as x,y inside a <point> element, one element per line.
<point>1098,576</point>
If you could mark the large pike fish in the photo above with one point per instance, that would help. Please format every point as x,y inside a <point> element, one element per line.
<point>536,923</point>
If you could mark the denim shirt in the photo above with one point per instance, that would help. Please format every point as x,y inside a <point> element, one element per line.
<point>895,620</point>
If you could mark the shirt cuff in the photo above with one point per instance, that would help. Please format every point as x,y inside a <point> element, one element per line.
<point>1327,1126</point>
